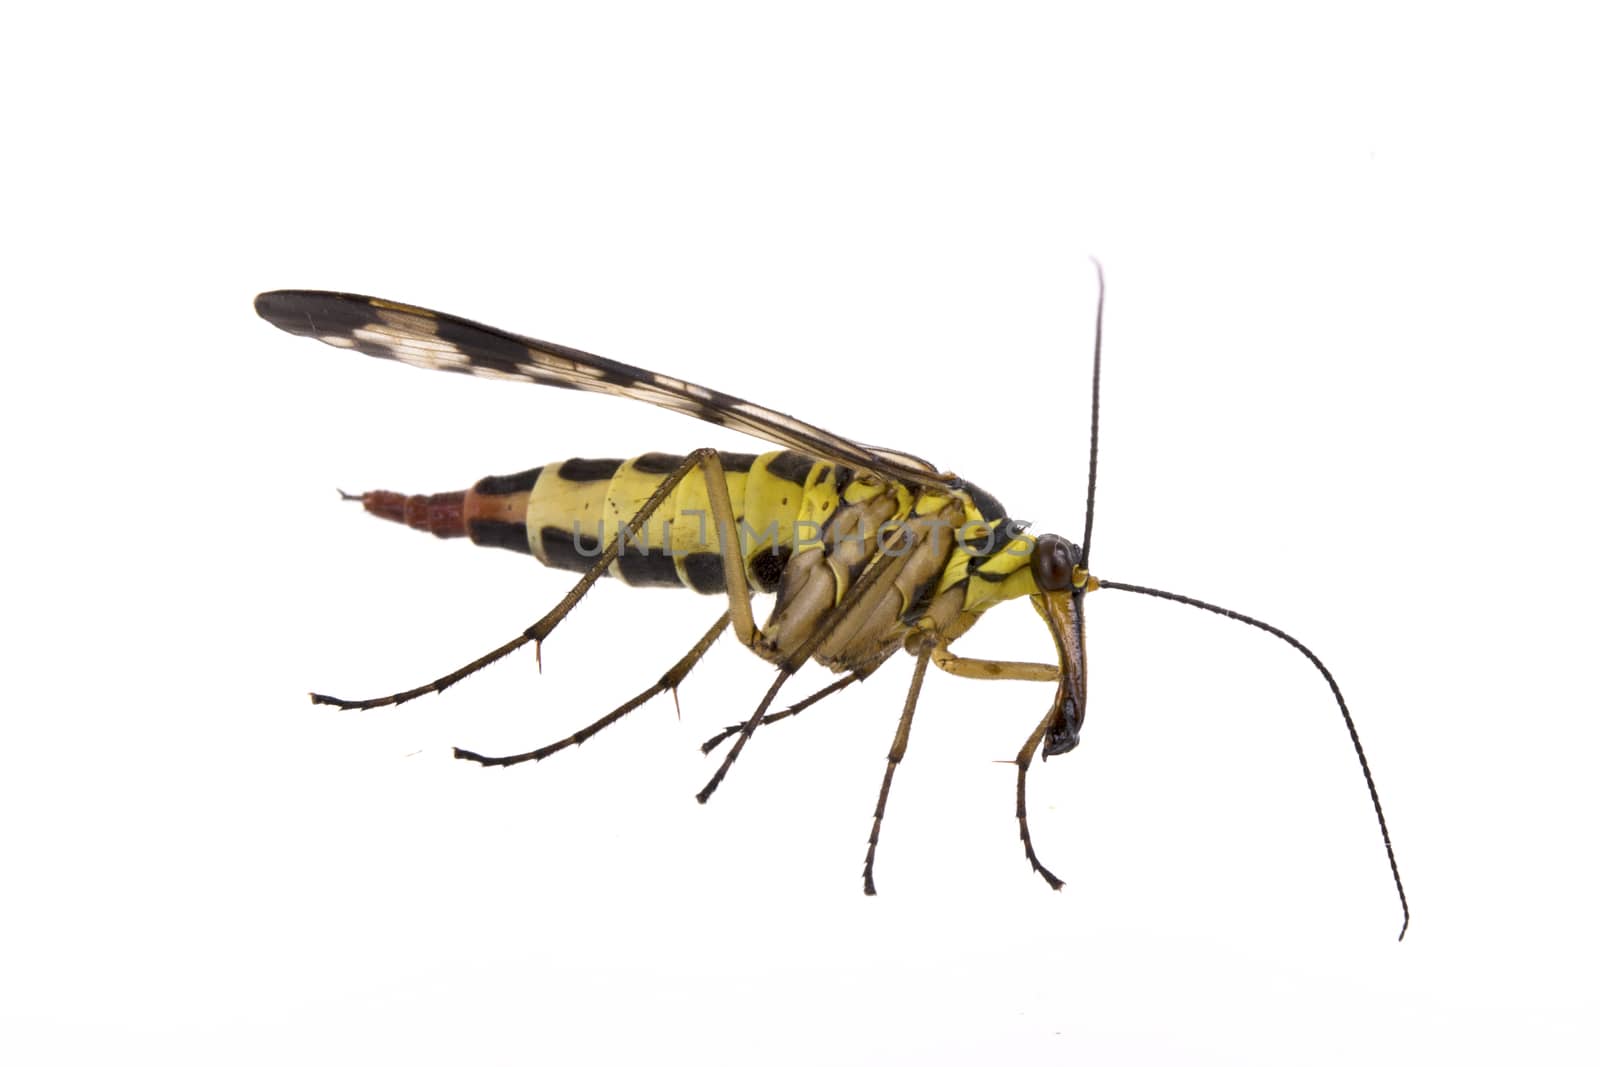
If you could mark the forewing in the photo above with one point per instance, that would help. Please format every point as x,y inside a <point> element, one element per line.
<point>431,339</point>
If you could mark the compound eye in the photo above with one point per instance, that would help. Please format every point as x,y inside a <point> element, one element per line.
<point>1053,561</point>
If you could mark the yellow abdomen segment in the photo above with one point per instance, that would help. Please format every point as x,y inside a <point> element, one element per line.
<point>575,508</point>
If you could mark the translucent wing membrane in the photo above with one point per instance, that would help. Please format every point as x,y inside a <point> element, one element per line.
<point>432,339</point>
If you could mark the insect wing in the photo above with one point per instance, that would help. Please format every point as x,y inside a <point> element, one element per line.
<point>431,339</point>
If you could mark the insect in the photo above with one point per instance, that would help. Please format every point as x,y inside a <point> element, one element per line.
<point>867,550</point>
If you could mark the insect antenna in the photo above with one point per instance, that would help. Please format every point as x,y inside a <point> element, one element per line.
<point>1349,723</point>
<point>1088,530</point>
<point>1094,411</point>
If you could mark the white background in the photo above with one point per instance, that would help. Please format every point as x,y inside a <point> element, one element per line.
<point>1349,388</point>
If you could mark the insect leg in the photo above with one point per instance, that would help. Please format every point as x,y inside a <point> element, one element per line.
<point>889,562</point>
<point>1025,757</point>
<point>733,570</point>
<point>897,752</point>
<point>795,709</point>
<point>728,544</point>
<point>992,669</point>
<point>669,681</point>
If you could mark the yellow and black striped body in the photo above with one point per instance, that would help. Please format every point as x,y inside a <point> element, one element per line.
<point>868,550</point>
<point>807,529</point>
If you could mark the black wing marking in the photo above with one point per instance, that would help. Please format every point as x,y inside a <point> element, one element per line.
<point>432,339</point>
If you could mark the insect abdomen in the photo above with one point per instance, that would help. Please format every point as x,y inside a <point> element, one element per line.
<point>492,513</point>
<point>564,514</point>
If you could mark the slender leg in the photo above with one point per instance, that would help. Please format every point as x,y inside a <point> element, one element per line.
<point>897,752</point>
<point>793,709</point>
<point>732,566</point>
<point>992,669</point>
<point>1024,758</point>
<point>888,563</point>
<point>961,666</point>
<point>668,682</point>
<point>744,735</point>
<point>987,669</point>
